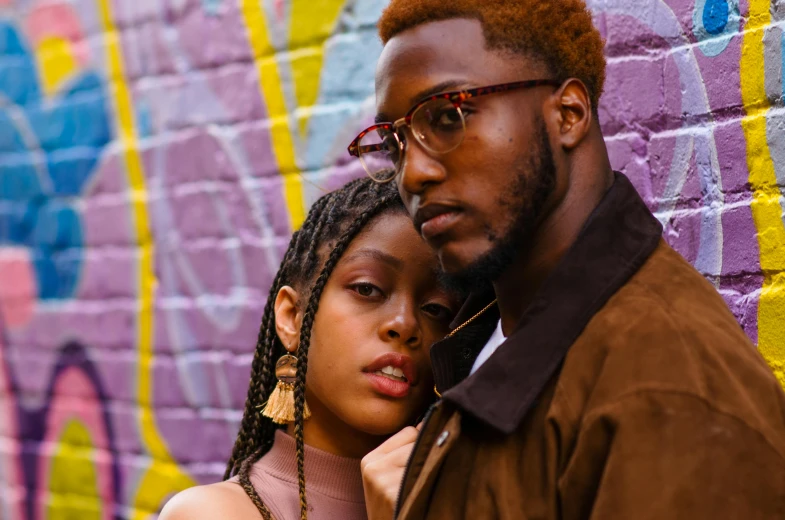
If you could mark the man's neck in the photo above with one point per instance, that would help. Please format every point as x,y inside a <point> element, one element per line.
<point>517,287</point>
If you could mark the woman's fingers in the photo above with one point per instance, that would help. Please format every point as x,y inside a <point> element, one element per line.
<point>404,437</point>
<point>383,470</point>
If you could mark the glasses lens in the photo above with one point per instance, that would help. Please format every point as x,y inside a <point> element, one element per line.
<point>379,154</point>
<point>438,125</point>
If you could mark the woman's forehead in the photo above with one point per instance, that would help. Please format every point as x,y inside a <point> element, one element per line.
<point>393,233</point>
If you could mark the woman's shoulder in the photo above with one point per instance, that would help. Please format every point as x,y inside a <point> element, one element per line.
<point>221,500</point>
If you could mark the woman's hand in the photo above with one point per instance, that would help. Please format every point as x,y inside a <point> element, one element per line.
<point>383,470</point>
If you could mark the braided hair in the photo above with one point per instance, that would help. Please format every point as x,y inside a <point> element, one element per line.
<point>331,225</point>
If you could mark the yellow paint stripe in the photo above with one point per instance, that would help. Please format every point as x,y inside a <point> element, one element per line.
<point>311,23</point>
<point>152,489</point>
<point>766,209</point>
<point>272,92</point>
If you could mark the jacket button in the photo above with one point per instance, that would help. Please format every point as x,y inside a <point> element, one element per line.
<point>442,438</point>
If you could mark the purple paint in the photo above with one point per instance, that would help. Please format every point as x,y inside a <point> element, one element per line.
<point>216,207</point>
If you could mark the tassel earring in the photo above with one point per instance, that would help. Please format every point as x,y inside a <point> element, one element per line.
<point>280,405</point>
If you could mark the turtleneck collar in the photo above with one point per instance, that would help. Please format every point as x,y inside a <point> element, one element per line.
<point>325,473</point>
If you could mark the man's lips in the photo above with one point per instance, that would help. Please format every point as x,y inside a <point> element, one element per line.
<point>433,219</point>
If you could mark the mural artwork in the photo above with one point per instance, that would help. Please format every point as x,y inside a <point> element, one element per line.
<point>149,183</point>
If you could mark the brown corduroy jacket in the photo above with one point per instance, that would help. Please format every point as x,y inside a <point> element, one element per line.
<point>627,391</point>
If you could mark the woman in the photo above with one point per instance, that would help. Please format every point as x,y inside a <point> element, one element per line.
<point>357,260</point>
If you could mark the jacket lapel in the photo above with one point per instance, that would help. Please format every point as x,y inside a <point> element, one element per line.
<point>435,444</point>
<point>616,241</point>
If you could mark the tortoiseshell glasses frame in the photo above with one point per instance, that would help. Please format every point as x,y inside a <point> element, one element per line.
<point>381,147</point>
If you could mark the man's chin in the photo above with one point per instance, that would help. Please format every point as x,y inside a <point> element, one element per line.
<point>456,259</point>
<point>474,266</point>
<point>462,271</point>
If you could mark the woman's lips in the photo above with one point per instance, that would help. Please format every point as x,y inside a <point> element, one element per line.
<point>388,386</point>
<point>439,224</point>
<point>392,374</point>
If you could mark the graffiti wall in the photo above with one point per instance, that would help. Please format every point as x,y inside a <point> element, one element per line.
<point>155,156</point>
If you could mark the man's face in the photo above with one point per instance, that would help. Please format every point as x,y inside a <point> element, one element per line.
<point>479,204</point>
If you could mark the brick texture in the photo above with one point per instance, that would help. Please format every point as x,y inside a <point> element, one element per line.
<point>155,156</point>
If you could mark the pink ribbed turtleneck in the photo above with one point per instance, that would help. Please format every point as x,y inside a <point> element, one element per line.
<point>333,484</point>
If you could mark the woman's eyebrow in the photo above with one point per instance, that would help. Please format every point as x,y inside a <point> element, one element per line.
<point>376,254</point>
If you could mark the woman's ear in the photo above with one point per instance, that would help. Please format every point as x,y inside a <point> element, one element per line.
<point>288,318</point>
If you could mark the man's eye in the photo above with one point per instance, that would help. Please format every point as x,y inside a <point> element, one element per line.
<point>391,148</point>
<point>440,312</point>
<point>448,118</point>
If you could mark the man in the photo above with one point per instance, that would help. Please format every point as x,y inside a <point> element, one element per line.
<point>624,388</point>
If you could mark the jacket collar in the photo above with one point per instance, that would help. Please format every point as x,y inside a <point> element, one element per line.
<point>616,240</point>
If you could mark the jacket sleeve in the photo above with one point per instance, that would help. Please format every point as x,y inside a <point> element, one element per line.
<point>670,455</point>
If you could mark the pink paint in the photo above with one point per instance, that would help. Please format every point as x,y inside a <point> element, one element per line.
<point>76,399</point>
<point>58,21</point>
<point>18,287</point>
<point>10,463</point>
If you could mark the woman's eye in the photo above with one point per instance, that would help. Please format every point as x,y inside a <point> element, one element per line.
<point>440,312</point>
<point>367,290</point>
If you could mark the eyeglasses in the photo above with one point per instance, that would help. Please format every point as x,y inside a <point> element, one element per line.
<point>437,122</point>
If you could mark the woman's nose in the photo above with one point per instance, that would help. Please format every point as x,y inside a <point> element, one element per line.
<point>403,326</point>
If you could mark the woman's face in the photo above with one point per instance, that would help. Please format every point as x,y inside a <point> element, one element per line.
<point>380,312</point>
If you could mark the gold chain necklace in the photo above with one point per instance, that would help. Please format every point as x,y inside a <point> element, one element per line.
<point>462,325</point>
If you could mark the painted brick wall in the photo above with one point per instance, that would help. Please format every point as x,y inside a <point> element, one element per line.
<point>155,156</point>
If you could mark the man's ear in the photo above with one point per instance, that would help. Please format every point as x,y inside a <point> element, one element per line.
<point>576,116</point>
<point>288,317</point>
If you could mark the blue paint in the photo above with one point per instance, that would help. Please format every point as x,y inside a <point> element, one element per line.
<point>211,7</point>
<point>715,16</point>
<point>17,72</point>
<point>347,75</point>
<point>714,23</point>
<point>49,149</point>
<point>144,119</point>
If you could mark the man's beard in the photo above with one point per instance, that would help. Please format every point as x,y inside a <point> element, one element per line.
<point>525,200</point>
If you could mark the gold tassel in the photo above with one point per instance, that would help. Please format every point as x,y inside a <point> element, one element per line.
<point>280,406</point>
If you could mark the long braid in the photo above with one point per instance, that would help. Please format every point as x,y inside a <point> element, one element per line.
<point>253,428</point>
<point>342,214</point>
<point>260,371</point>
<point>305,336</point>
<point>245,482</point>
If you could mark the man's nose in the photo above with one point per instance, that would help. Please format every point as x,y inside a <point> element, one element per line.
<point>419,169</point>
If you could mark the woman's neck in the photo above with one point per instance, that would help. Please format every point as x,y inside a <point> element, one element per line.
<point>326,432</point>
<point>329,475</point>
